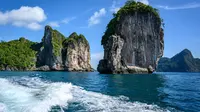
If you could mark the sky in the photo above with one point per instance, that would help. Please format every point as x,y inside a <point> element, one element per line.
<point>27,18</point>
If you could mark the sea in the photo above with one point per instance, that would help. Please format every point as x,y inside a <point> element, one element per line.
<point>94,92</point>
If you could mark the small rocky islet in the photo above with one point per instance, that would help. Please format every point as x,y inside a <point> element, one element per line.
<point>133,43</point>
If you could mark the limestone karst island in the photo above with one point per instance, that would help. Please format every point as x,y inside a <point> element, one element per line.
<point>99,56</point>
<point>55,52</point>
<point>133,41</point>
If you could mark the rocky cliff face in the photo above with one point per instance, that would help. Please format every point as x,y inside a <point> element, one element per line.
<point>60,53</point>
<point>50,53</point>
<point>182,62</point>
<point>76,53</point>
<point>133,43</point>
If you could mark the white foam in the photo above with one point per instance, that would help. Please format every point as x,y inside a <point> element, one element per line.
<point>2,107</point>
<point>28,94</point>
<point>97,102</point>
<point>24,99</point>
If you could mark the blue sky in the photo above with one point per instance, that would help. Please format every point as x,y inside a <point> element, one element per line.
<point>27,18</point>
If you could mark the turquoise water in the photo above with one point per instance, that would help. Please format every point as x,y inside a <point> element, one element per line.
<point>94,92</point>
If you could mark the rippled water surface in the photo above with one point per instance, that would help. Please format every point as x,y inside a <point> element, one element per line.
<point>93,92</point>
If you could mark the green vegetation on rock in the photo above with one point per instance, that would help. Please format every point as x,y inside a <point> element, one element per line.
<point>57,39</point>
<point>74,38</point>
<point>130,8</point>
<point>18,54</point>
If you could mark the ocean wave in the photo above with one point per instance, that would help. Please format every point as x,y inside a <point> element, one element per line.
<point>31,94</point>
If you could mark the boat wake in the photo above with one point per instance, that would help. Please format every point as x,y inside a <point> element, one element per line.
<point>32,94</point>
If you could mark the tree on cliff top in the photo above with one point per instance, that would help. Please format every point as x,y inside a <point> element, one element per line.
<point>130,7</point>
<point>74,38</point>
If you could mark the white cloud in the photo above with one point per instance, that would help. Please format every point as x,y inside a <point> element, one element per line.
<point>58,23</point>
<point>34,26</point>
<point>143,1</point>
<point>67,20</point>
<point>29,17</point>
<point>54,24</point>
<point>96,18</point>
<point>187,6</point>
<point>95,58</point>
<point>114,8</point>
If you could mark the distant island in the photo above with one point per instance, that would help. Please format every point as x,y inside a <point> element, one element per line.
<point>133,41</point>
<point>55,52</point>
<point>182,62</point>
